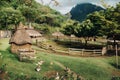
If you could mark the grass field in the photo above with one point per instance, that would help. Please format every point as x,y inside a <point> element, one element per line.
<point>91,68</point>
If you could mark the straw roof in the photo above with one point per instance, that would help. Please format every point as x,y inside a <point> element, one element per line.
<point>30,30</point>
<point>21,26</point>
<point>33,32</point>
<point>57,34</point>
<point>72,35</point>
<point>20,37</point>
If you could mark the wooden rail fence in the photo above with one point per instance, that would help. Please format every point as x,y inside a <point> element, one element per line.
<point>82,51</point>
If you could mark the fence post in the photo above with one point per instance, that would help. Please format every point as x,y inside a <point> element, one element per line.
<point>116,55</point>
<point>94,52</point>
<point>82,52</point>
<point>104,50</point>
<point>68,50</point>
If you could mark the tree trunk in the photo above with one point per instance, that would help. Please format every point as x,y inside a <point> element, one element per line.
<point>114,43</point>
<point>86,41</point>
<point>116,55</point>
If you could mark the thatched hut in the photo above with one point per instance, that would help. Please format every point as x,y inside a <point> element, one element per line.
<point>72,36</point>
<point>33,33</point>
<point>20,40</point>
<point>57,34</point>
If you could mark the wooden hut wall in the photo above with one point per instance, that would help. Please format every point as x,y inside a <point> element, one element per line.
<point>15,47</point>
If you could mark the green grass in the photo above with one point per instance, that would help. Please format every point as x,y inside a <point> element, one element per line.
<point>4,43</point>
<point>91,68</point>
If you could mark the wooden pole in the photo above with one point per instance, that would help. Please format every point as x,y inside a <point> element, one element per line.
<point>36,42</point>
<point>116,56</point>
<point>82,52</point>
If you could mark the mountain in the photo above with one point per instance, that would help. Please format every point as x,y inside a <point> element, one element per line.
<point>80,11</point>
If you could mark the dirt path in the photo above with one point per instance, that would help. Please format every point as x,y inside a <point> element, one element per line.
<point>116,72</point>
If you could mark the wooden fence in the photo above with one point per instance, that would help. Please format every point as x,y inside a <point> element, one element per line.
<point>76,39</point>
<point>82,51</point>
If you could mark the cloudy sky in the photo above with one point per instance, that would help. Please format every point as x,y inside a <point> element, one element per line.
<point>66,5</point>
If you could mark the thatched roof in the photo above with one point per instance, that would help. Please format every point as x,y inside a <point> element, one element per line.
<point>57,34</point>
<point>21,26</point>
<point>33,32</point>
<point>72,35</point>
<point>20,37</point>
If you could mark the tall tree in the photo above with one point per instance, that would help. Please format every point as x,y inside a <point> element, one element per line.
<point>10,16</point>
<point>107,22</point>
<point>71,27</point>
<point>29,13</point>
<point>97,19</point>
<point>87,30</point>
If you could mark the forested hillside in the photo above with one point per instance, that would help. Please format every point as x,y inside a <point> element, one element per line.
<point>28,11</point>
<point>42,17</point>
<point>80,11</point>
<point>99,23</point>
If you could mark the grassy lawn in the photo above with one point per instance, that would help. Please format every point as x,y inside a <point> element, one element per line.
<point>4,43</point>
<point>91,68</point>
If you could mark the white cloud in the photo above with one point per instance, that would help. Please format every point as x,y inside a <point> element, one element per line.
<point>66,5</point>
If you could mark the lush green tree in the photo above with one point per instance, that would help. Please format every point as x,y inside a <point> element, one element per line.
<point>111,20</point>
<point>4,3</point>
<point>115,20</point>
<point>29,13</point>
<point>10,16</point>
<point>50,19</point>
<point>117,13</point>
<point>107,22</point>
<point>87,30</point>
<point>97,19</point>
<point>71,27</point>
<point>13,11</point>
<point>103,24</point>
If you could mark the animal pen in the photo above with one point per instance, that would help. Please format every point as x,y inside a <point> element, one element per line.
<point>83,52</point>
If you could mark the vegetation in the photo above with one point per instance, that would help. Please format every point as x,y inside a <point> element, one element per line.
<point>42,17</point>
<point>80,13</point>
<point>94,68</point>
<point>28,11</point>
<point>99,23</point>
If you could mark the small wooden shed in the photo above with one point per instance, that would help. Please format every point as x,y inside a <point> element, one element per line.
<point>20,40</point>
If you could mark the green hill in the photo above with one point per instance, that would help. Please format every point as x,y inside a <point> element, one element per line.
<point>90,68</point>
<point>80,11</point>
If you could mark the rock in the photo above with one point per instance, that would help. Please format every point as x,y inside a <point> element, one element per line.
<point>38,69</point>
<point>57,76</point>
<point>40,62</point>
